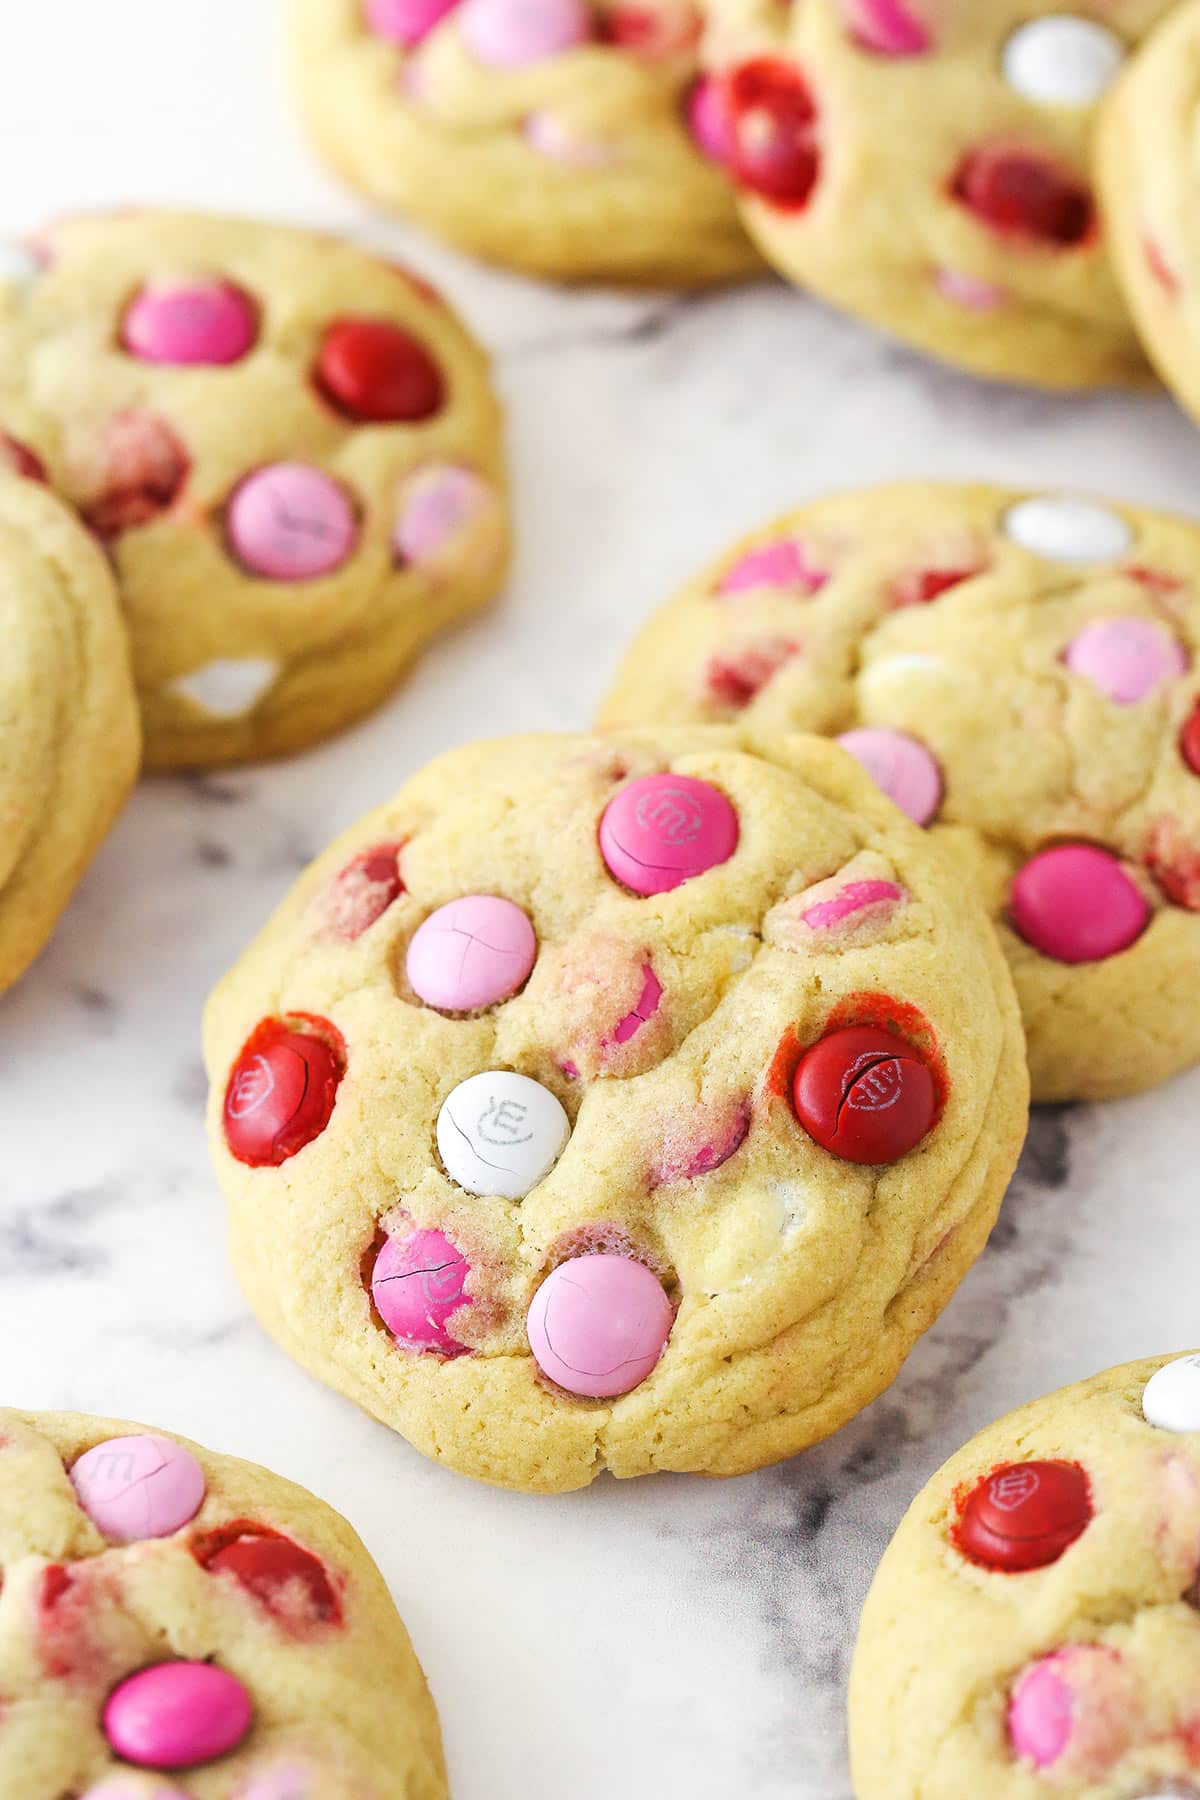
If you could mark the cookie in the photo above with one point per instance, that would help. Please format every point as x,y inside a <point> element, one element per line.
<point>1033,1626</point>
<point>565,138</point>
<point>628,1102</point>
<point>1149,188</point>
<point>70,736</point>
<point>1019,673</point>
<point>290,448</point>
<point>170,1615</point>
<point>927,166</point>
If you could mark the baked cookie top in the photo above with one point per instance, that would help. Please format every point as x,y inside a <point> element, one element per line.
<point>70,742</point>
<point>176,1625</point>
<point>1149,179</point>
<point>567,138</point>
<point>290,447</point>
<point>927,166</point>
<point>1019,673</point>
<point>1032,1629</point>
<point>628,1102</point>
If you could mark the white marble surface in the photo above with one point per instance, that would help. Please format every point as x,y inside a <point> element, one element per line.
<point>666,1637</point>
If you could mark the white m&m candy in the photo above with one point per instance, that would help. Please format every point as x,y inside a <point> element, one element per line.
<point>1171,1397</point>
<point>1062,60</point>
<point>1068,528</point>
<point>18,264</point>
<point>501,1133</point>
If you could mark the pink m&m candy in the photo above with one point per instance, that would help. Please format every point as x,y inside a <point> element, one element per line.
<point>1079,1702</point>
<point>190,322</point>
<point>1127,658</point>
<point>888,27</point>
<point>177,1715</point>
<point>138,1487</point>
<point>416,1284</point>
<point>855,897</point>
<point>436,505</point>
<point>663,829</point>
<point>598,1325</point>
<point>290,522</point>
<point>708,120</point>
<point>471,953</point>
<point>508,34</point>
<point>132,1787</point>
<point>780,565</point>
<point>1077,904</point>
<point>901,767</point>
<point>407,22</point>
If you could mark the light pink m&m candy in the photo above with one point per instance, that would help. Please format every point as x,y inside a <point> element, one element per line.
<point>132,1787</point>
<point>598,1325</point>
<point>1079,1701</point>
<point>508,34</point>
<point>471,953</point>
<point>138,1487</point>
<point>1077,904</point>
<point>1125,658</point>
<point>663,829</point>
<point>177,1715</point>
<point>290,522</point>
<point>436,505</point>
<point>416,1284</point>
<point>407,22</point>
<point>190,322</point>
<point>901,767</point>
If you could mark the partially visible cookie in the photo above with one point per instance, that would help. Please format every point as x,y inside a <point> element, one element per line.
<point>171,1613</point>
<point>69,744</point>
<point>1150,183</point>
<point>1033,1628</point>
<point>926,165</point>
<point>628,1102</point>
<point>1021,673</point>
<point>568,138</point>
<point>290,448</point>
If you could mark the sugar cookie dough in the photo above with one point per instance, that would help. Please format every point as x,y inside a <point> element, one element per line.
<point>174,1617</point>
<point>1033,1627</point>
<point>1150,186</point>
<point>926,165</point>
<point>1019,673</point>
<point>290,448</point>
<point>566,138</point>
<point>70,743</point>
<point>628,1102</point>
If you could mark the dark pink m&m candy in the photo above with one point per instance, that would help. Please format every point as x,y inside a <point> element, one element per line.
<point>1024,1515</point>
<point>190,322</point>
<point>177,1715</point>
<point>1075,903</point>
<point>417,1285</point>
<point>661,830</point>
<point>281,1091</point>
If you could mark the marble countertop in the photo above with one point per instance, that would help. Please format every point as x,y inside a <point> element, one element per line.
<point>664,1637</point>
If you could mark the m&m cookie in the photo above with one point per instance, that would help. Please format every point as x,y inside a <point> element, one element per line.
<point>574,139</point>
<point>626,1102</point>
<point>1034,1626</point>
<point>70,719</point>
<point>289,449</point>
<point>1018,672</point>
<point>1150,187</point>
<point>927,166</point>
<point>180,1626</point>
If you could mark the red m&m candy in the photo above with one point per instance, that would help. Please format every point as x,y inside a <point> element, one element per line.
<point>1024,1515</point>
<point>281,1091</point>
<point>1189,742</point>
<point>282,1576</point>
<point>1024,193</point>
<point>377,372</point>
<point>865,1094</point>
<point>771,119</point>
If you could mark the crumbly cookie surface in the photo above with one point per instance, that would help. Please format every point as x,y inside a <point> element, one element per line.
<point>1149,177</point>
<point>927,166</point>
<point>566,138</point>
<point>290,448</point>
<point>70,743</point>
<point>1032,1629</point>
<point>1019,671</point>
<point>176,1625</point>
<point>514,1153</point>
